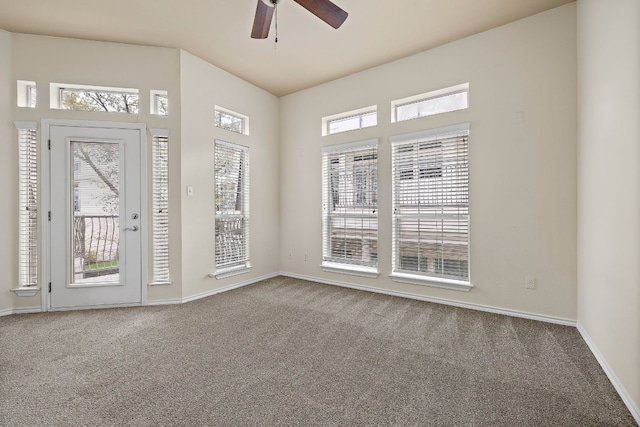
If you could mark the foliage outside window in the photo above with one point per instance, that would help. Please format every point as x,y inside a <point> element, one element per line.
<point>231,180</point>
<point>350,206</point>
<point>95,98</point>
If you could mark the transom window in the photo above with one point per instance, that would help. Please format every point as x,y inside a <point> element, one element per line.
<point>431,207</point>
<point>428,104</point>
<point>350,120</point>
<point>230,120</point>
<point>94,98</point>
<point>350,208</point>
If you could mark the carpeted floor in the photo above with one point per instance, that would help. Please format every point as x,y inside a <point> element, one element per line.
<point>291,352</point>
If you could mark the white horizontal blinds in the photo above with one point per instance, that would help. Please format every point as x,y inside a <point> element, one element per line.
<point>232,204</point>
<point>431,204</point>
<point>28,204</point>
<point>350,205</point>
<point>160,190</point>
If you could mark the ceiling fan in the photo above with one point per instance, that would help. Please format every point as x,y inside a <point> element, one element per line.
<point>323,9</point>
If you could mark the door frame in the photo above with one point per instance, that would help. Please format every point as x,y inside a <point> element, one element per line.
<point>45,205</point>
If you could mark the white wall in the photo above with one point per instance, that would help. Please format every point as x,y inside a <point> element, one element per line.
<point>60,60</point>
<point>8,174</point>
<point>522,174</point>
<point>609,185</point>
<point>203,86</point>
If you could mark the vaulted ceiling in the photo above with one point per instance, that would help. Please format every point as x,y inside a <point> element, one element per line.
<point>308,52</point>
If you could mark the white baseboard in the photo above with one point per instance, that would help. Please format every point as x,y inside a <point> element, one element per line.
<point>213,291</point>
<point>25,310</point>
<point>479,307</point>
<point>626,398</point>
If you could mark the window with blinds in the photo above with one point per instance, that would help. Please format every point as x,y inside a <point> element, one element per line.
<point>231,164</point>
<point>160,196</point>
<point>350,207</point>
<point>28,204</point>
<point>431,206</point>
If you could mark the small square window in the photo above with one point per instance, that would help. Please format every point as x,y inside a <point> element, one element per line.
<point>27,94</point>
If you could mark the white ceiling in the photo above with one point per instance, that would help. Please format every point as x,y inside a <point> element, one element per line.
<point>308,52</point>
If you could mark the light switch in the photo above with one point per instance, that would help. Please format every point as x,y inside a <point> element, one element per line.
<point>189,191</point>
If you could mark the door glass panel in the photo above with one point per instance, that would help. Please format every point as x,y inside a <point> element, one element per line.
<point>96,210</point>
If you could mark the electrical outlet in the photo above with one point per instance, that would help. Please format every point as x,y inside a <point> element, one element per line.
<point>530,282</point>
<point>306,257</point>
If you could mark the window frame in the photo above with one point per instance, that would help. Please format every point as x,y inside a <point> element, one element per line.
<point>242,173</point>
<point>369,203</point>
<point>428,137</point>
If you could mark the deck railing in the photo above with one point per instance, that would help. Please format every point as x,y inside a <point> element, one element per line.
<point>96,240</point>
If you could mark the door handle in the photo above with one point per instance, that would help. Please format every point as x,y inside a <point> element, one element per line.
<point>134,228</point>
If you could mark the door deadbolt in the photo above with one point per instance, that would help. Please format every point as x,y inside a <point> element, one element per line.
<point>134,216</point>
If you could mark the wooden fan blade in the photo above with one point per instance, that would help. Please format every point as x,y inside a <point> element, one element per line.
<point>325,10</point>
<point>262,21</point>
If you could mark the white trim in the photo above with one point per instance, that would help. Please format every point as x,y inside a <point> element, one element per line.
<point>358,145</point>
<point>26,125</point>
<point>21,310</point>
<point>231,145</point>
<point>160,283</point>
<point>94,307</point>
<point>429,134</point>
<point>223,273</point>
<point>436,282</point>
<point>617,384</point>
<point>445,301</point>
<point>26,291</point>
<point>213,291</point>
<point>351,269</point>
<point>159,132</point>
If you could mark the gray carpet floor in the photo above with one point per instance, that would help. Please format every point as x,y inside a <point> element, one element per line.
<point>290,352</point>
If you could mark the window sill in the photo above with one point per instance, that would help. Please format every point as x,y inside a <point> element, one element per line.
<point>353,270</point>
<point>26,291</point>
<point>161,283</point>
<point>416,279</point>
<point>223,273</point>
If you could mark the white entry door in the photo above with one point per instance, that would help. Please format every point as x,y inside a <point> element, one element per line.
<point>95,221</point>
